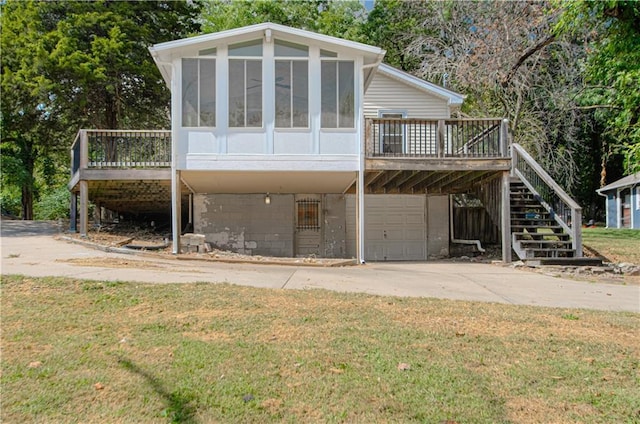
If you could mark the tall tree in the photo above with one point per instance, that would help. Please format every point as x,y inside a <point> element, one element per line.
<point>510,63</point>
<point>332,17</point>
<point>73,64</point>
<point>611,31</point>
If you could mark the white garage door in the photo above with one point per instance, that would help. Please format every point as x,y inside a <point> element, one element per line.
<point>395,228</point>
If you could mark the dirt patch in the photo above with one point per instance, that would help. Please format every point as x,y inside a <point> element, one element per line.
<point>112,263</point>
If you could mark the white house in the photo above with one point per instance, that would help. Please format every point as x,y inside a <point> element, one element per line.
<point>268,124</point>
<point>285,142</point>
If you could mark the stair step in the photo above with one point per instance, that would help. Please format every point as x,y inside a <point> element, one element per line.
<point>540,236</point>
<point>529,205</point>
<point>546,227</point>
<point>565,261</point>
<point>529,215</point>
<point>548,253</point>
<point>545,244</point>
<point>537,223</point>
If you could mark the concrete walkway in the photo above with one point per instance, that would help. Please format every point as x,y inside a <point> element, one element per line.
<point>31,249</point>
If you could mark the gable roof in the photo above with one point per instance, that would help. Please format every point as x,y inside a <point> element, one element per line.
<point>454,99</point>
<point>628,181</point>
<point>163,53</point>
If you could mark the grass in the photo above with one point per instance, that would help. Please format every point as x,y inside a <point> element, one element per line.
<point>616,245</point>
<point>83,351</point>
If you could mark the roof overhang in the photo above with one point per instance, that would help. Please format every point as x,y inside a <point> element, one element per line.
<point>164,53</point>
<point>453,98</point>
<point>628,181</point>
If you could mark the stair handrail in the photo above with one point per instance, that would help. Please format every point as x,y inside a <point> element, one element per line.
<point>566,212</point>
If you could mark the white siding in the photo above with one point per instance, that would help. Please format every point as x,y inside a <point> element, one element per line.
<point>386,93</point>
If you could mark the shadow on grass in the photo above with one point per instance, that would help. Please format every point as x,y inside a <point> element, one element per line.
<point>179,409</point>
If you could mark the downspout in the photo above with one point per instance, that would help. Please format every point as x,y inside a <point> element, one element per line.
<point>606,207</point>
<point>460,241</point>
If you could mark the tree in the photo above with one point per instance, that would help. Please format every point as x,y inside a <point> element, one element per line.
<point>337,18</point>
<point>611,31</point>
<point>509,63</point>
<point>393,25</point>
<point>73,64</point>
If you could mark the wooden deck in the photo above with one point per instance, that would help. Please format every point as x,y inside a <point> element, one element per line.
<point>130,171</point>
<point>434,156</point>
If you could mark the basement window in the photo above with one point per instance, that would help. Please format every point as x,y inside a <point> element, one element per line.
<point>308,214</point>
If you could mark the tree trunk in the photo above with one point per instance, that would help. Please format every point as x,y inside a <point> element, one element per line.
<point>27,201</point>
<point>29,181</point>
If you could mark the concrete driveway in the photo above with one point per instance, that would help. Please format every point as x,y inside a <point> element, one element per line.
<point>32,249</point>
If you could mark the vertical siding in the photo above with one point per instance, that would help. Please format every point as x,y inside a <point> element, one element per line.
<point>635,206</point>
<point>386,93</point>
<point>612,210</point>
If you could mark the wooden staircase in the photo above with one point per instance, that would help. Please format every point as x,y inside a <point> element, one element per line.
<point>535,233</point>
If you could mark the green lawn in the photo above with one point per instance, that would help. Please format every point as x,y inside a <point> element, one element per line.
<point>80,351</point>
<point>616,245</point>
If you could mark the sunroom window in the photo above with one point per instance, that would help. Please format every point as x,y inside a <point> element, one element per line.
<point>338,94</point>
<point>198,92</point>
<point>292,85</point>
<point>245,84</point>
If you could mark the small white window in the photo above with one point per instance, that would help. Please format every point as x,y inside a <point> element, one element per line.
<point>392,132</point>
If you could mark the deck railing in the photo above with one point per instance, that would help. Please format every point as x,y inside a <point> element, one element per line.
<point>121,149</point>
<point>566,212</point>
<point>423,138</point>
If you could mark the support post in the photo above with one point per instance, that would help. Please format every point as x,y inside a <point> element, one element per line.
<point>506,217</point>
<point>176,210</point>
<point>576,227</point>
<point>360,217</point>
<point>84,207</point>
<point>504,138</point>
<point>73,213</point>
<point>440,139</point>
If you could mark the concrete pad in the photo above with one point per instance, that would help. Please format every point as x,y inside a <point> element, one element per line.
<point>31,249</point>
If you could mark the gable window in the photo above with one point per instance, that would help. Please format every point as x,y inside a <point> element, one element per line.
<point>198,92</point>
<point>338,94</point>
<point>245,84</point>
<point>292,85</point>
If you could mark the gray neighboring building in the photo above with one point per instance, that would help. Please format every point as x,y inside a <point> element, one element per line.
<point>623,202</point>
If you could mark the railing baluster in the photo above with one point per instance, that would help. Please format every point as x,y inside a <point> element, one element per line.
<point>127,149</point>
<point>438,138</point>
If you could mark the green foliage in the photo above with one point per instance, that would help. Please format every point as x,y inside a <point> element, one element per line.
<point>393,25</point>
<point>342,19</point>
<point>10,201</point>
<point>611,29</point>
<point>53,205</point>
<point>73,64</point>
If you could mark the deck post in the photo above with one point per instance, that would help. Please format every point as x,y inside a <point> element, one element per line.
<point>506,217</point>
<point>176,210</point>
<point>440,139</point>
<point>73,213</point>
<point>504,137</point>
<point>360,217</point>
<point>84,207</point>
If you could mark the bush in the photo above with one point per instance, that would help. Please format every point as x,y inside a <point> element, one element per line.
<point>53,205</point>
<point>10,203</point>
